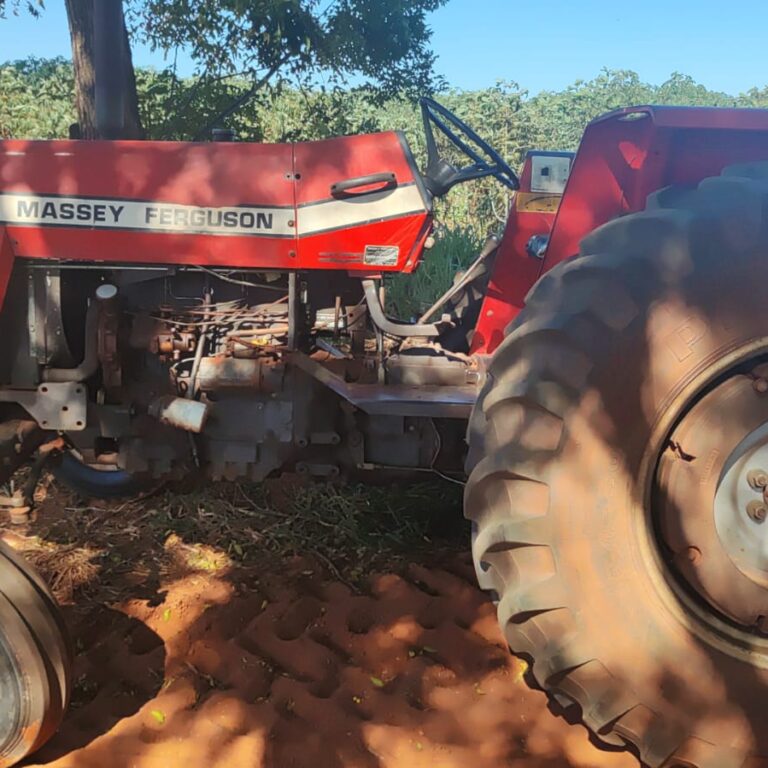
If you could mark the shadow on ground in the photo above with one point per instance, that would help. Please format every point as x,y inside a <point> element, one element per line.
<point>282,664</point>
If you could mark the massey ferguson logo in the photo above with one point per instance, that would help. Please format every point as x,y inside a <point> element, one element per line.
<point>151,216</point>
<point>89,213</point>
<point>208,217</point>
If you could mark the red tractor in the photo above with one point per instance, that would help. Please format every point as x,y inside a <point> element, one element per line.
<point>217,308</point>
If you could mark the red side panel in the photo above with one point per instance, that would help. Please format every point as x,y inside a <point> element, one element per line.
<point>377,227</point>
<point>262,206</point>
<point>623,158</point>
<point>173,193</point>
<point>6,262</point>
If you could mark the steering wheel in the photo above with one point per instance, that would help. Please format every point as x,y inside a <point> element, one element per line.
<point>486,161</point>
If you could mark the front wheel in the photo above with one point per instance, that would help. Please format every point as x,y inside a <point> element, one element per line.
<point>35,661</point>
<point>617,492</point>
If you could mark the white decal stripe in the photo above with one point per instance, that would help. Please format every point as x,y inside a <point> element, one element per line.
<point>339,214</point>
<point>97,213</point>
<point>107,213</point>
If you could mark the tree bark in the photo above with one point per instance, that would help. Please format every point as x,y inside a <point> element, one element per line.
<point>80,17</point>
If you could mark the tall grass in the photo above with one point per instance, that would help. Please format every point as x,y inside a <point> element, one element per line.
<point>410,295</point>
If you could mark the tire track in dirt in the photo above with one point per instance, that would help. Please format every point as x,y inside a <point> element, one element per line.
<point>292,671</point>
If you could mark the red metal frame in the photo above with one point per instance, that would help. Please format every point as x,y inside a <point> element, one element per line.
<point>624,157</point>
<point>514,272</point>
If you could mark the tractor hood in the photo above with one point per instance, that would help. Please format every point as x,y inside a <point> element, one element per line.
<point>355,203</point>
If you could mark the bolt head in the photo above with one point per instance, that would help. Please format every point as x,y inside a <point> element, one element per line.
<point>691,554</point>
<point>757,511</point>
<point>757,479</point>
<point>760,385</point>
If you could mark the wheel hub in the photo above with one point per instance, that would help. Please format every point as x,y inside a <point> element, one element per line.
<point>712,501</point>
<point>740,507</point>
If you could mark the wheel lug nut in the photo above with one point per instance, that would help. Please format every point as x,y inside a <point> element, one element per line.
<point>692,555</point>
<point>757,479</point>
<point>757,511</point>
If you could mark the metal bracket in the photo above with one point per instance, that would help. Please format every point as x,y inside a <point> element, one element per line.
<point>60,406</point>
<point>449,402</point>
<point>47,342</point>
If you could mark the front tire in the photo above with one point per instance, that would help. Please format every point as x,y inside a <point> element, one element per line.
<point>612,350</point>
<point>35,660</point>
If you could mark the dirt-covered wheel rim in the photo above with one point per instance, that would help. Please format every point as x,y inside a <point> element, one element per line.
<point>41,613</point>
<point>25,680</point>
<point>709,508</point>
<point>35,661</point>
<point>577,463</point>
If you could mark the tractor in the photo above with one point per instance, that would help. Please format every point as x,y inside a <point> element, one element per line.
<point>599,374</point>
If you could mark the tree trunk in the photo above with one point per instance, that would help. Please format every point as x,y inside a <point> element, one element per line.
<point>80,16</point>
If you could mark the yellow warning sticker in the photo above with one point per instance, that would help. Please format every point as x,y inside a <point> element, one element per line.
<point>536,202</point>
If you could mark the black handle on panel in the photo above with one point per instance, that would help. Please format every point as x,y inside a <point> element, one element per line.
<point>380,182</point>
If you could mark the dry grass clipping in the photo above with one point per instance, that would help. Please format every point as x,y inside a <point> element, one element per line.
<point>66,568</point>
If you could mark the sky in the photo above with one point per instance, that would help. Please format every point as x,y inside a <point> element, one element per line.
<point>544,45</point>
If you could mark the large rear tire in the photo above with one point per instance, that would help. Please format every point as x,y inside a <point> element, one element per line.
<point>35,661</point>
<point>615,347</point>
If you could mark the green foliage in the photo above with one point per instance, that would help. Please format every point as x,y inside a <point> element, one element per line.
<point>383,45</point>
<point>408,296</point>
<point>30,6</point>
<point>755,97</point>
<point>36,99</point>
<point>558,118</point>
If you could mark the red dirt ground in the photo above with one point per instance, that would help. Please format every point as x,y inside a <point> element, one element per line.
<point>295,670</point>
